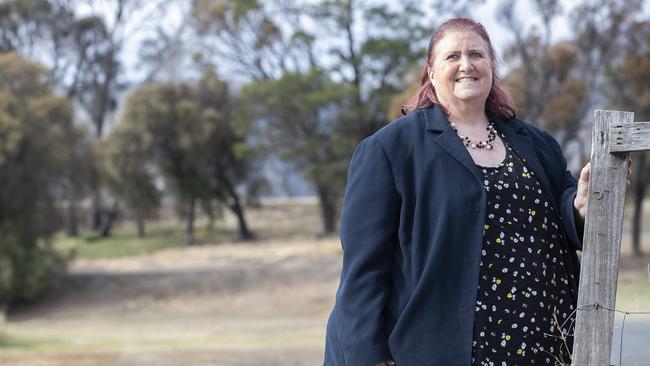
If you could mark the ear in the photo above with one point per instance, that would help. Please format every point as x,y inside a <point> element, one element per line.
<point>430,73</point>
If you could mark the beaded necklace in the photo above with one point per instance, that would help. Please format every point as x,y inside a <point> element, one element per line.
<point>487,144</point>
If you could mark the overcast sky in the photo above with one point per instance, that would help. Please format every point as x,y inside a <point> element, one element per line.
<point>142,23</point>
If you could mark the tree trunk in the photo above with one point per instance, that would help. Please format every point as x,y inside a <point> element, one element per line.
<point>238,209</point>
<point>140,223</point>
<point>189,229</point>
<point>3,313</point>
<point>639,195</point>
<point>327,202</point>
<point>107,222</point>
<point>95,212</point>
<point>208,208</point>
<point>71,223</point>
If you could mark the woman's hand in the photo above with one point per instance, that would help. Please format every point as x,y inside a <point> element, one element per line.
<point>580,202</point>
<point>386,363</point>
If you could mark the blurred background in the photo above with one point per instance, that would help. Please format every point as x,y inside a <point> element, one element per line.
<point>171,172</point>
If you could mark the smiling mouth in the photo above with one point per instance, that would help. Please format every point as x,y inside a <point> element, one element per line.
<point>467,79</point>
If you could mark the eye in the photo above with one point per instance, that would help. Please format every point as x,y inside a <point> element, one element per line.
<point>452,56</point>
<point>476,54</point>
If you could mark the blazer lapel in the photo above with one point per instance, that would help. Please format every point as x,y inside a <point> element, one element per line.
<point>515,135</point>
<point>448,139</point>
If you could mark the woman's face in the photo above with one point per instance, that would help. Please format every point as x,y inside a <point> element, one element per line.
<point>461,71</point>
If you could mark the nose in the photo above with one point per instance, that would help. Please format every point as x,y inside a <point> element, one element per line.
<point>466,64</point>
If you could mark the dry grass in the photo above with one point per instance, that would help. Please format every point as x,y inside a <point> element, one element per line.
<point>221,303</point>
<point>225,303</point>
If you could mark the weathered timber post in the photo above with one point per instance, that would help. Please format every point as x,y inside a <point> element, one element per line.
<point>614,136</point>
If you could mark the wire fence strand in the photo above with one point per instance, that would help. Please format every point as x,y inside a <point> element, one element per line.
<point>595,306</point>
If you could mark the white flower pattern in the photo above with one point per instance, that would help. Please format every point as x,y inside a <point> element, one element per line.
<point>521,313</point>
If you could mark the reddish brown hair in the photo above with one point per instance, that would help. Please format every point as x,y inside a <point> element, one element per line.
<point>499,104</point>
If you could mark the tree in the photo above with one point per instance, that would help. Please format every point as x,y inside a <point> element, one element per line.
<point>36,28</point>
<point>557,85</point>
<point>94,86</point>
<point>37,140</point>
<point>196,143</point>
<point>274,45</point>
<point>83,54</point>
<point>254,39</point>
<point>373,66</point>
<point>76,173</point>
<point>42,29</point>
<point>558,109</point>
<point>227,156</point>
<point>169,118</point>
<point>131,173</point>
<point>554,84</point>
<point>375,62</point>
<point>303,119</point>
<point>627,89</point>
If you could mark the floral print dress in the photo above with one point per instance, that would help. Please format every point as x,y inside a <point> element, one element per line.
<point>524,310</point>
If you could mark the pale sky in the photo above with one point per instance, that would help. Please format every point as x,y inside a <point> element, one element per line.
<point>139,25</point>
<point>485,14</point>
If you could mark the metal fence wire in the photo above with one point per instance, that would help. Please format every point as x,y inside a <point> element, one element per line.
<point>595,306</point>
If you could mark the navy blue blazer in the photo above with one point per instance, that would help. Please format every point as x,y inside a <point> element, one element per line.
<point>411,231</point>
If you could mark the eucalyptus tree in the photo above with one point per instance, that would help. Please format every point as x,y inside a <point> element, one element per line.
<point>337,65</point>
<point>42,30</point>
<point>559,84</point>
<point>37,144</point>
<point>303,117</point>
<point>556,83</point>
<point>195,143</point>
<point>131,174</point>
<point>626,88</point>
<point>83,53</point>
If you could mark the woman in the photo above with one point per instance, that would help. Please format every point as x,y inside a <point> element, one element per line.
<point>459,227</point>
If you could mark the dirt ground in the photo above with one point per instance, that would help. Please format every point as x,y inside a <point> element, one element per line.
<point>231,303</point>
<point>226,304</point>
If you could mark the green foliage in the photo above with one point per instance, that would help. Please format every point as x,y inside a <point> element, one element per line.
<point>301,115</point>
<point>187,132</point>
<point>312,113</point>
<point>304,118</point>
<point>168,117</point>
<point>36,142</point>
<point>130,172</point>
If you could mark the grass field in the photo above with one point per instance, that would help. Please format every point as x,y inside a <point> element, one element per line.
<point>153,301</point>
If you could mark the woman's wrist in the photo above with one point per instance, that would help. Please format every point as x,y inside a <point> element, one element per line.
<point>579,211</point>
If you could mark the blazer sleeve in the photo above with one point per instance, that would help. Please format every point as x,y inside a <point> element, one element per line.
<point>568,189</point>
<point>369,221</point>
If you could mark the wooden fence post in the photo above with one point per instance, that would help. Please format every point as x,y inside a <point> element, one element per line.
<point>614,135</point>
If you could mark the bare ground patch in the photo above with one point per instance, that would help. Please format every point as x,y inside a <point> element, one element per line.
<point>226,303</point>
<point>229,303</point>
